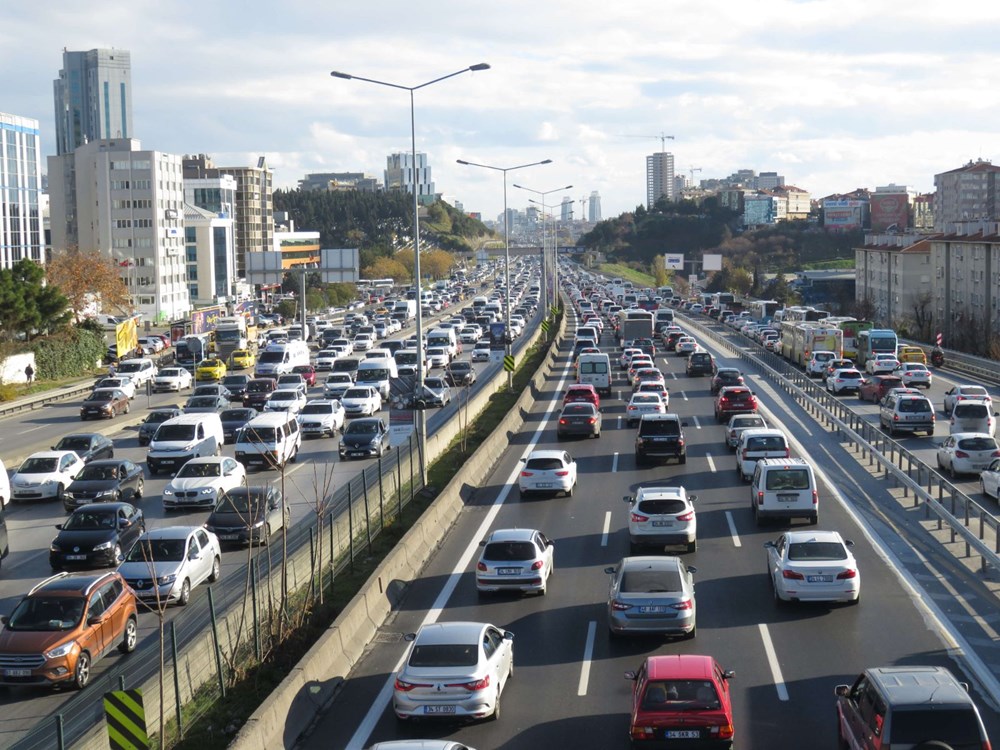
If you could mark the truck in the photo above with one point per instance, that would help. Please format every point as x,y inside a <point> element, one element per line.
<point>406,306</point>
<point>634,324</point>
<point>232,333</point>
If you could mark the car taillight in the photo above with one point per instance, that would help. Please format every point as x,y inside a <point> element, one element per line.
<point>526,474</point>
<point>563,473</point>
<point>760,498</point>
<point>686,604</point>
<point>788,453</point>
<point>961,454</point>
<point>815,497</point>
<point>406,687</point>
<point>471,686</point>
<point>726,732</point>
<point>620,606</point>
<point>636,518</point>
<point>792,575</point>
<point>745,454</point>
<point>686,516</point>
<point>537,565</point>
<point>481,566</point>
<point>562,421</point>
<point>995,454</point>
<point>592,420</point>
<point>849,573</point>
<point>632,408</point>
<point>723,399</point>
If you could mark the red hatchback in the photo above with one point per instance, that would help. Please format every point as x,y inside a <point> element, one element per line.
<point>874,387</point>
<point>734,399</point>
<point>308,373</point>
<point>681,700</point>
<point>582,392</point>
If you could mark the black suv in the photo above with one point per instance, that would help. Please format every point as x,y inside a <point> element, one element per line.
<point>660,436</point>
<point>700,363</point>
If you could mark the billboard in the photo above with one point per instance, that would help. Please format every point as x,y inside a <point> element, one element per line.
<point>498,341</point>
<point>843,215</point>
<point>126,337</point>
<point>711,262</point>
<point>401,397</point>
<point>673,261</point>
<point>890,210</point>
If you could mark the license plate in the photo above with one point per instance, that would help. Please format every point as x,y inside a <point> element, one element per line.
<point>228,537</point>
<point>651,610</point>
<point>819,579</point>
<point>544,485</point>
<point>508,571</point>
<point>17,673</point>
<point>76,557</point>
<point>167,461</point>
<point>787,498</point>
<point>357,453</point>
<point>663,523</point>
<point>439,710</point>
<point>682,734</point>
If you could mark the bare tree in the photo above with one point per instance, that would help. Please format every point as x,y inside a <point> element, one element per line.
<point>923,316</point>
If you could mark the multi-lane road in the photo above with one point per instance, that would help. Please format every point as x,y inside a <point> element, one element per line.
<point>569,690</point>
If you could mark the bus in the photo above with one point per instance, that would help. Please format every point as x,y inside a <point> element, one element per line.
<point>723,300</point>
<point>763,310</point>
<point>799,313</point>
<point>875,341</point>
<point>851,329</point>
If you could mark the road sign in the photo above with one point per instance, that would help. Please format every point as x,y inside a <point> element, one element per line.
<point>545,325</point>
<point>940,338</point>
<point>508,363</point>
<point>126,719</point>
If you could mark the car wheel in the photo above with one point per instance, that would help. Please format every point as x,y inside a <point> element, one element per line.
<point>856,600</point>
<point>216,570</point>
<point>778,601</point>
<point>684,459</point>
<point>116,555</point>
<point>185,595</point>
<point>81,674</point>
<point>951,471</point>
<point>128,406</point>
<point>691,636</point>
<point>496,709</point>
<point>140,487</point>
<point>692,546</point>
<point>982,487</point>
<point>130,637</point>
<point>569,492</point>
<point>60,492</point>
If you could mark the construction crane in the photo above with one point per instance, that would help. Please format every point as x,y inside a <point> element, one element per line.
<point>692,170</point>
<point>663,139</point>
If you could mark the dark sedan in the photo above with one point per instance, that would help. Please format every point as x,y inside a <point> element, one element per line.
<point>89,446</point>
<point>206,404</point>
<point>258,391</point>
<point>96,535</point>
<point>579,418</point>
<point>212,389</point>
<point>248,515</point>
<point>235,419</point>
<point>726,376</point>
<point>236,385</point>
<point>104,403</point>
<point>460,374</point>
<point>154,419</point>
<point>107,481</point>
<point>364,437</point>
<point>874,387</point>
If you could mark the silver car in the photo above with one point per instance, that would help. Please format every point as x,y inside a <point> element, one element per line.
<point>740,422</point>
<point>166,563</point>
<point>515,560</point>
<point>651,595</point>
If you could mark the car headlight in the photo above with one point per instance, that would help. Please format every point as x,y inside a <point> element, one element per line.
<point>103,546</point>
<point>164,580</point>
<point>60,651</point>
<point>168,490</point>
<point>258,524</point>
<point>207,491</point>
<point>105,493</point>
<point>54,548</point>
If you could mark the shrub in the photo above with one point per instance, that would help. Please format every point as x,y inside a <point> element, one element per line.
<point>70,353</point>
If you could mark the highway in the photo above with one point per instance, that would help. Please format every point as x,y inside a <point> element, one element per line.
<point>568,688</point>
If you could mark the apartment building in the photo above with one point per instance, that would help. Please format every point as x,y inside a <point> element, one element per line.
<point>966,266</point>
<point>969,193</point>
<point>894,277</point>
<point>659,177</point>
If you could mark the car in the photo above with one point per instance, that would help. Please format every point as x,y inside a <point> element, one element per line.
<point>361,401</point>
<point>740,422</point>
<point>212,389</point>
<point>292,400</point>
<point>364,437</point>
<point>45,475</point>
<point>734,399</point>
<point>837,364</point>
<point>637,363</point>
<point>626,357</point>
<point>236,385</point>
<point>105,402</point>
<point>912,354</point>
<point>212,368</point>
<point>460,373</point>
<point>141,370</point>
<point>818,362</point>
<point>646,345</point>
<point>202,481</point>
<point>437,393</point>
<point>122,383</point>
<point>658,387</point>
<point>241,359</point>
<point>437,356</point>
<point>306,372</point>
<point>166,563</point>
<point>699,363</point>
<point>966,453</point>
<point>154,419</point>
<point>875,387</point>
<point>662,516</point>
<point>96,535</point>
<point>89,446</point>
<point>914,374</point>
<point>906,412</point>
<point>454,670</point>
<point>363,342</point>
<point>293,380</point>
<point>336,383</point>
<point>249,515</point>
<point>651,594</point>
<point>660,436</point>
<point>515,560</point>
<point>725,376</point>
<point>233,420</point>
<point>961,392</point>
<point>685,346</point>
<point>670,339</point>
<point>580,418</point>
<point>844,380</point>
<point>206,405</point>
<point>813,566</point>
<point>881,364</point>
<point>547,471</point>
<point>325,359</point>
<point>989,479</point>
<point>105,481</point>
<point>171,379</point>
<point>44,632</point>
<point>582,393</point>
<point>643,403</point>
<point>668,690</point>
<point>481,352</point>
<point>321,417</point>
<point>647,375</point>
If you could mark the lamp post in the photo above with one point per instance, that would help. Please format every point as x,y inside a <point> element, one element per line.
<point>506,250</point>
<point>421,426</point>
<point>555,291</point>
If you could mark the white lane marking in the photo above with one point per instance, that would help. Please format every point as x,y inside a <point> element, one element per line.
<point>711,462</point>
<point>31,429</point>
<point>607,529</point>
<point>614,463</point>
<point>673,374</point>
<point>684,395</point>
<point>619,421</point>
<point>588,655</point>
<point>772,660</point>
<point>697,424</point>
<point>361,735</point>
<point>732,529</point>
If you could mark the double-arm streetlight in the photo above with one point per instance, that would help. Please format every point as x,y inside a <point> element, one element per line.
<point>506,252</point>
<point>545,262</point>
<point>421,426</point>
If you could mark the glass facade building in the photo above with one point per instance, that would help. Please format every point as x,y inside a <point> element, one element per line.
<point>93,98</point>
<point>21,233</point>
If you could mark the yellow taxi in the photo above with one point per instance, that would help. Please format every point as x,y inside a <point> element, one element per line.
<point>381,310</point>
<point>210,369</point>
<point>912,354</point>
<point>242,359</point>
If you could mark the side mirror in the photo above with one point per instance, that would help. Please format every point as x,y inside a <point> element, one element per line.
<point>692,498</point>
<point>768,545</point>
<point>508,636</point>
<point>848,542</point>
<point>729,674</point>
<point>628,498</point>
<point>610,571</point>
<point>630,675</point>
<point>692,569</point>
<point>59,526</point>
<point>842,691</point>
<point>482,543</point>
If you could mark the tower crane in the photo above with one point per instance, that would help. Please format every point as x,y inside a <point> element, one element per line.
<point>692,170</point>
<point>662,137</point>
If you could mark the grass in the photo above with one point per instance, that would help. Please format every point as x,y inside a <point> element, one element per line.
<point>624,272</point>
<point>829,265</point>
<point>12,391</point>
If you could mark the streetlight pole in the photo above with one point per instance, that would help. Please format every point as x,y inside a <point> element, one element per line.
<point>555,290</point>
<point>421,427</point>
<point>508,350</point>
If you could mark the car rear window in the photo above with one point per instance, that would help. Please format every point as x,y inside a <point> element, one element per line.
<point>661,506</point>
<point>773,443</point>
<point>659,427</point>
<point>445,655</point>
<point>700,358</point>
<point>957,727</point>
<point>977,444</point>
<point>543,464</point>
<point>506,551</point>
<point>971,411</point>
<point>787,479</point>
<point>913,405</point>
<point>650,581</point>
<point>817,551</point>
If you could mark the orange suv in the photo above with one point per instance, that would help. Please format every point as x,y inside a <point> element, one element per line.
<point>64,625</point>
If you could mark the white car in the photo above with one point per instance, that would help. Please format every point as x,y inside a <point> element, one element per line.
<point>166,563</point>
<point>973,415</point>
<point>643,403</point>
<point>201,481</point>
<point>627,355</point>
<point>45,474</point>
<point>961,392</point>
<point>336,383</point>
<point>515,560</point>
<point>881,364</point>
<point>361,401</point>
<point>470,334</point>
<point>437,356</point>
<point>326,358</point>
<point>363,342</point>
<point>321,417</point>
<point>286,399</point>
<point>685,345</point>
<point>454,670</point>
<point>844,379</point>
<point>814,566</point>
<point>481,353</point>
<point>989,480</point>
<point>967,453</point>
<point>661,516</point>
<point>818,361</point>
<point>172,379</point>
<point>547,471</point>
<point>122,383</point>
<point>914,374</point>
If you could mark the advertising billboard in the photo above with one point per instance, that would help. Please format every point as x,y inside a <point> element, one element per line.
<point>890,210</point>
<point>673,261</point>
<point>711,262</point>
<point>843,215</point>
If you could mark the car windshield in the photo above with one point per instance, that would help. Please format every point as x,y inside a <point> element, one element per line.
<point>586,409</point>
<point>509,551</point>
<point>92,473</point>
<point>101,396</point>
<point>38,465</point>
<point>373,374</point>
<point>259,386</point>
<point>661,506</point>
<point>172,372</point>
<point>974,390</point>
<point>317,409</point>
<point>817,551</point>
<point>913,405</point>
<point>356,393</point>
<point>650,581</point>
<point>238,503</point>
<point>362,428</point>
<point>672,695</point>
<point>175,432</point>
<point>208,363</point>
<point>50,613</point>
<point>191,469</point>
<point>461,367</point>
<point>645,398</point>
<point>748,422</point>
<point>202,401</point>
<point>234,380</point>
<point>91,520</point>
<point>774,443</point>
<point>127,367</point>
<point>157,550</point>
<point>788,479</point>
<point>445,655</point>
<point>234,415</point>
<point>543,464</point>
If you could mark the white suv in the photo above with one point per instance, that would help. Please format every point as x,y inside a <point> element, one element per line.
<point>658,516</point>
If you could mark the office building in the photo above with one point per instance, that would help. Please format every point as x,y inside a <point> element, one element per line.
<point>93,98</point>
<point>339,182</point>
<point>969,193</point>
<point>209,239</point>
<point>566,209</point>
<point>21,194</point>
<point>659,177</point>
<point>594,207</point>
<point>399,169</point>
<point>769,180</point>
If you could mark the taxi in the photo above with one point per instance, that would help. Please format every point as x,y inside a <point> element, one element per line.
<point>242,359</point>
<point>912,354</point>
<point>210,369</point>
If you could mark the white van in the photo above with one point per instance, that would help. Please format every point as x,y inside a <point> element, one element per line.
<point>377,373</point>
<point>784,488</point>
<point>445,337</point>
<point>662,318</point>
<point>595,370</point>
<point>758,443</point>
<point>182,438</point>
<point>269,440</point>
<point>279,359</point>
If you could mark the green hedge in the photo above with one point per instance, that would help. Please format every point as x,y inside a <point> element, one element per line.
<point>69,353</point>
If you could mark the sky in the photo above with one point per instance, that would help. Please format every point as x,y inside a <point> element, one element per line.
<point>832,95</point>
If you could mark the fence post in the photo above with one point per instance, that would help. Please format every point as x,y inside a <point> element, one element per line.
<point>60,733</point>
<point>178,703</point>
<point>350,523</point>
<point>399,485</point>
<point>215,643</point>
<point>312,560</point>
<point>256,619</point>
<point>368,517</point>
<point>381,498</point>
<point>409,454</point>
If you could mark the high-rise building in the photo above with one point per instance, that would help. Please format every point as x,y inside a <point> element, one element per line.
<point>20,196</point>
<point>769,180</point>
<point>93,98</point>
<point>659,177</point>
<point>566,209</point>
<point>594,212</point>
<point>111,196</point>
<point>399,175</point>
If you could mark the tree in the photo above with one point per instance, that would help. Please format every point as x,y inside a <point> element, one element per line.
<point>386,268</point>
<point>660,271</point>
<point>436,264</point>
<point>27,306</point>
<point>83,275</point>
<point>923,316</point>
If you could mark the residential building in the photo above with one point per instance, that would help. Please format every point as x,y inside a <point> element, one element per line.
<point>894,277</point>
<point>594,207</point>
<point>659,177</point>
<point>93,98</point>
<point>923,212</point>
<point>399,173</point>
<point>21,194</point>
<point>969,193</point>
<point>847,212</point>
<point>340,181</point>
<point>797,202</point>
<point>966,266</point>
<point>112,196</point>
<point>769,181</point>
<point>733,198</point>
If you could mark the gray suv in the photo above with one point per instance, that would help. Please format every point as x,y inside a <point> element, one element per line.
<point>908,708</point>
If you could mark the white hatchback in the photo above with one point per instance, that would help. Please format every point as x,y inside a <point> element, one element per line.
<point>547,471</point>
<point>45,474</point>
<point>661,516</point>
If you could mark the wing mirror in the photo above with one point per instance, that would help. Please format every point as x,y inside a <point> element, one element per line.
<point>508,636</point>
<point>610,571</point>
<point>729,674</point>
<point>628,498</point>
<point>630,675</point>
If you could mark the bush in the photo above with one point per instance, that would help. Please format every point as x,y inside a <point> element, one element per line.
<point>69,353</point>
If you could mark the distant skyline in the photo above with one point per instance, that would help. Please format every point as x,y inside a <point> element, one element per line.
<point>834,96</point>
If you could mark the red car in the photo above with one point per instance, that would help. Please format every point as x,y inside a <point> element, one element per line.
<point>874,387</point>
<point>734,399</point>
<point>681,700</point>
<point>308,373</point>
<point>582,392</point>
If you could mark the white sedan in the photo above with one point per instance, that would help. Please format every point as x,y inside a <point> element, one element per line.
<point>547,471</point>
<point>172,379</point>
<point>321,417</point>
<point>814,566</point>
<point>643,403</point>
<point>437,356</point>
<point>201,481</point>
<point>914,374</point>
<point>967,453</point>
<point>515,560</point>
<point>44,475</point>
<point>961,392</point>
<point>121,382</point>
<point>881,364</point>
<point>326,358</point>
<point>989,480</point>
<point>177,558</point>
<point>286,399</point>
<point>361,401</point>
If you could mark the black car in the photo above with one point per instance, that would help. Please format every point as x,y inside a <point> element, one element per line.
<point>89,446</point>
<point>670,342</point>
<point>660,436</point>
<point>460,374</point>
<point>212,389</point>
<point>258,392</point>
<point>100,534</point>
<point>234,419</point>
<point>154,419</point>
<point>236,385</point>
<point>700,363</point>
<point>365,437</point>
<point>248,515</point>
<point>206,404</point>
<point>726,376</point>
<point>106,481</point>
